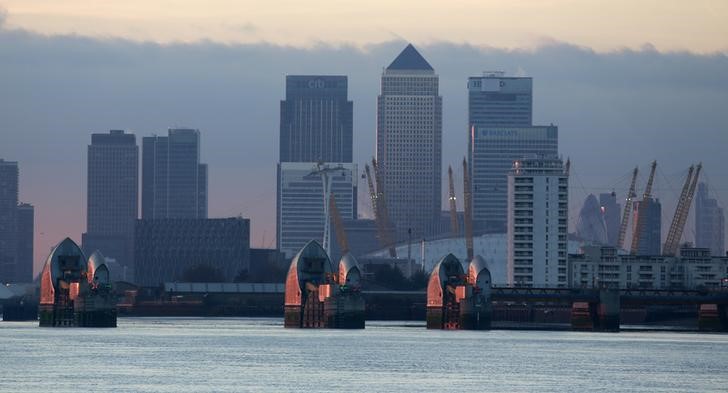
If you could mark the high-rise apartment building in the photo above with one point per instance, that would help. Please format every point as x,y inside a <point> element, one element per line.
<point>709,222</point>
<point>538,216</point>
<point>611,211</point>
<point>112,195</point>
<point>316,122</point>
<point>174,182</point>
<point>650,226</point>
<point>409,144</point>
<point>493,151</point>
<point>8,220</point>
<point>300,204</point>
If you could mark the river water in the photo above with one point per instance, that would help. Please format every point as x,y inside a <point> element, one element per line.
<point>259,355</point>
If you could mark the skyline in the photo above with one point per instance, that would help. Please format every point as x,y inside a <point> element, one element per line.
<point>666,25</point>
<point>60,89</point>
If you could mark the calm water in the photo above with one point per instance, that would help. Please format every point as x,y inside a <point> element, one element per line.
<point>232,355</point>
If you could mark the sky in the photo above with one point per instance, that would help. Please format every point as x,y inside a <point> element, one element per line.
<point>625,84</point>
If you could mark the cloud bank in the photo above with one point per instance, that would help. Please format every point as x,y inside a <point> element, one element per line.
<point>615,110</point>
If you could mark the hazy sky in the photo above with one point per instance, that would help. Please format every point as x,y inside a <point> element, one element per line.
<point>616,108</point>
<point>697,25</point>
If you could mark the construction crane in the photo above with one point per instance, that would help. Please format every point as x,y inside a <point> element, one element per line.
<point>627,209</point>
<point>640,217</point>
<point>338,226</point>
<point>468,213</point>
<point>324,171</point>
<point>453,207</point>
<point>377,204</point>
<point>681,212</point>
<point>382,205</point>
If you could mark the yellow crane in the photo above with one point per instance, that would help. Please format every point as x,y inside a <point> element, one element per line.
<point>379,209</point>
<point>681,212</point>
<point>627,209</point>
<point>453,208</point>
<point>640,217</point>
<point>338,226</point>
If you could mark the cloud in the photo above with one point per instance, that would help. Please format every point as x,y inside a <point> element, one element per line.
<point>615,110</point>
<point>3,16</point>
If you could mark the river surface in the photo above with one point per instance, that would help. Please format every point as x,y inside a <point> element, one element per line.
<point>259,355</point>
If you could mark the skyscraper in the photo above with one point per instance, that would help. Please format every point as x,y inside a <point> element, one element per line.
<point>495,100</point>
<point>316,126</point>
<point>174,182</point>
<point>611,211</point>
<point>316,121</point>
<point>409,143</point>
<point>538,216</point>
<point>8,220</point>
<point>493,151</point>
<point>709,222</point>
<point>112,202</point>
<point>650,222</point>
<point>591,226</point>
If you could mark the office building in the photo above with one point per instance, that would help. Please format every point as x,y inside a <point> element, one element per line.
<point>590,226</point>
<point>612,214</point>
<point>649,212</point>
<point>8,220</point>
<point>709,222</point>
<point>316,122</point>
<point>168,250</point>
<point>493,151</point>
<point>604,267</point>
<point>300,203</point>
<point>495,100</point>
<point>409,144</point>
<point>174,182</point>
<point>112,195</point>
<point>538,190</point>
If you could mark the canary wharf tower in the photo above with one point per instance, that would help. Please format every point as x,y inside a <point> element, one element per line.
<point>409,144</point>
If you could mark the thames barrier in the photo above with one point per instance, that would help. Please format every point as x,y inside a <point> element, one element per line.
<point>317,296</point>
<point>75,291</point>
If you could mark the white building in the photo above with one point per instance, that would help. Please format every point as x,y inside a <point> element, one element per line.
<point>537,222</point>
<point>598,267</point>
<point>300,204</point>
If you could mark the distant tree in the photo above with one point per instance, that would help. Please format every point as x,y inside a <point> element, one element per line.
<point>390,277</point>
<point>203,273</point>
<point>418,280</point>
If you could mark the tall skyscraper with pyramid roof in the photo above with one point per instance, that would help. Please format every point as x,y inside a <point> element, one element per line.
<point>409,144</point>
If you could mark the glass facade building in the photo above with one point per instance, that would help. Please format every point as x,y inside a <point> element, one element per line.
<point>174,182</point>
<point>316,121</point>
<point>493,151</point>
<point>300,204</point>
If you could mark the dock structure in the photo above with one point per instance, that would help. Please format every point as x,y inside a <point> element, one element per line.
<point>317,296</point>
<point>74,291</point>
<point>456,300</point>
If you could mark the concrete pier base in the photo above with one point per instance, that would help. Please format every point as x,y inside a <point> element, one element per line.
<point>608,311</point>
<point>712,318</point>
<point>474,315</point>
